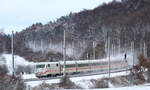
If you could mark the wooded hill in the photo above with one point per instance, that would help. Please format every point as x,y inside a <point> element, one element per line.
<point>124,22</point>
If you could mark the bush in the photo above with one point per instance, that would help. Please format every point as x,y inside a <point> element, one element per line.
<point>3,69</point>
<point>45,86</point>
<point>66,83</point>
<point>11,83</point>
<point>148,75</point>
<point>24,69</point>
<point>28,69</point>
<point>103,83</point>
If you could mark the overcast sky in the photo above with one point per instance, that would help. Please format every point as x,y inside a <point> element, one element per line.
<point>19,14</point>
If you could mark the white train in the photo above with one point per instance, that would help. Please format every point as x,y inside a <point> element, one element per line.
<point>44,69</point>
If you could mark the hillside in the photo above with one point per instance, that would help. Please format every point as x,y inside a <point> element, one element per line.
<point>124,22</point>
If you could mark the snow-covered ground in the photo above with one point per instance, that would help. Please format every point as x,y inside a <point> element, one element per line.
<point>129,57</point>
<point>28,76</point>
<point>84,81</point>
<point>140,87</point>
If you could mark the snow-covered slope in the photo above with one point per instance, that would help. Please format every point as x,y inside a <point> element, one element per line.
<point>140,87</point>
<point>18,61</point>
<point>83,81</point>
<point>120,56</point>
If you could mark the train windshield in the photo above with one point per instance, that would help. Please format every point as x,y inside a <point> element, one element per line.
<point>40,66</point>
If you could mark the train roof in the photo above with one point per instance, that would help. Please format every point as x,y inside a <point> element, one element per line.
<point>74,61</point>
<point>38,63</point>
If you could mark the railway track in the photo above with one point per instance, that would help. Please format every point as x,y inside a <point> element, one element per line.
<point>76,75</point>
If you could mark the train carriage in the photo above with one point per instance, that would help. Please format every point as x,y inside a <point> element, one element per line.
<point>57,68</point>
<point>47,69</point>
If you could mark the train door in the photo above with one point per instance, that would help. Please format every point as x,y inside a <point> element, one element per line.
<point>76,65</point>
<point>59,66</point>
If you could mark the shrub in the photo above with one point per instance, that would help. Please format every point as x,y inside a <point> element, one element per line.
<point>103,83</point>
<point>24,69</point>
<point>66,83</point>
<point>3,69</point>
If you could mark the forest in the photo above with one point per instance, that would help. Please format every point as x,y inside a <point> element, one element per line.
<point>124,22</point>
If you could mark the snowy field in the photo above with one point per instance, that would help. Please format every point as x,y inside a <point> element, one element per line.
<point>120,56</point>
<point>28,76</point>
<point>84,81</point>
<point>86,84</point>
<point>140,87</point>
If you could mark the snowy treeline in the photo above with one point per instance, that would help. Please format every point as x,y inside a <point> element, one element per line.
<point>126,23</point>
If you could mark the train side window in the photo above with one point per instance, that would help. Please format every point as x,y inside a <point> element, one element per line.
<point>83,65</point>
<point>95,64</point>
<point>70,65</point>
<point>40,66</point>
<point>57,65</point>
<point>48,65</point>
